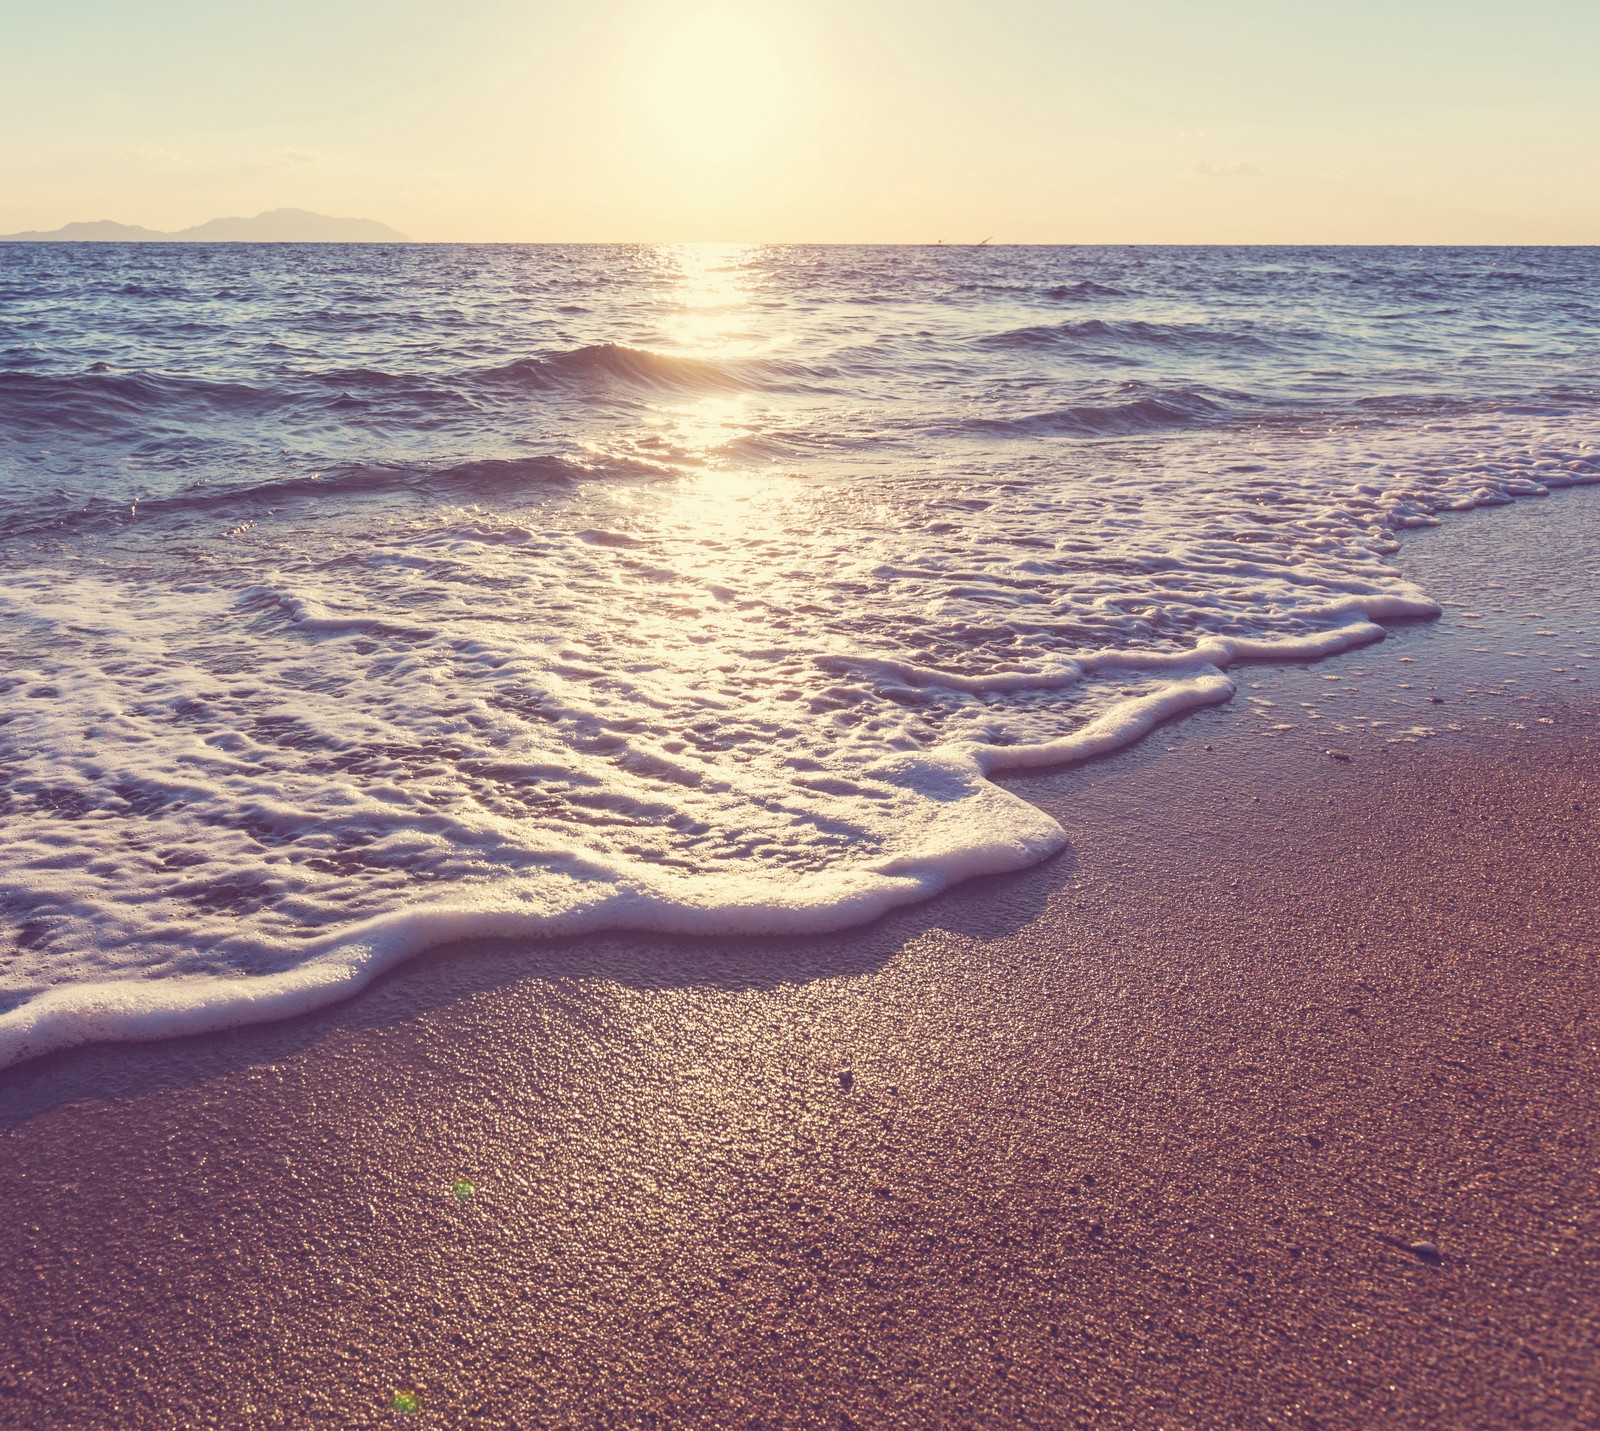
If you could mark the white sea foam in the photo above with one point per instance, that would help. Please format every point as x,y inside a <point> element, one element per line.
<point>232,801</point>
<point>314,660</point>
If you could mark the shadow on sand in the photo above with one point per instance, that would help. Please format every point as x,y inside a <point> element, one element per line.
<point>985,908</point>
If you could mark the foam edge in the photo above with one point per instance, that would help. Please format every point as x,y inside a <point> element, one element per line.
<point>121,1011</point>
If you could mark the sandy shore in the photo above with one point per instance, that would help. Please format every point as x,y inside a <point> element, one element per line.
<point>1272,1102</point>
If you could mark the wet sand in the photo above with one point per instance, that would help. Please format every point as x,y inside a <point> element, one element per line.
<point>1272,1102</point>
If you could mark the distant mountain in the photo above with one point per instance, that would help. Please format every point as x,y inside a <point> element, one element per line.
<point>290,226</point>
<point>100,231</point>
<point>278,226</point>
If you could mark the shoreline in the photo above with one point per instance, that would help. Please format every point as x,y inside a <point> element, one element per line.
<point>338,967</point>
<point>1157,1132</point>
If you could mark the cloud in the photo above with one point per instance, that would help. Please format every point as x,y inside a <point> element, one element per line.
<point>289,159</point>
<point>1205,169</point>
<point>274,161</point>
<point>154,158</point>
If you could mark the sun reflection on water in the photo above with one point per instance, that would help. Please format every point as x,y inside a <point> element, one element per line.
<point>712,296</point>
<point>711,320</point>
<point>731,499</point>
<point>730,496</point>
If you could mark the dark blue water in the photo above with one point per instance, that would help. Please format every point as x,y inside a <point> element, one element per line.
<point>133,375</point>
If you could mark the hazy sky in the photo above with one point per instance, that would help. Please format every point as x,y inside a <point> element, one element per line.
<point>794,120</point>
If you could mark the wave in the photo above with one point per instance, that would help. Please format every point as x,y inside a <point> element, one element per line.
<point>100,402</point>
<point>91,402</point>
<point>1082,291</point>
<point>315,618</point>
<point>614,363</point>
<point>461,481</point>
<point>151,290</point>
<point>1126,333</point>
<point>1151,410</point>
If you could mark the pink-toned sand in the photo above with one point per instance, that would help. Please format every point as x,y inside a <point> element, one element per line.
<point>1272,1103</point>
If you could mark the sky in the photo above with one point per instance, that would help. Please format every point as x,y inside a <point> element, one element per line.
<point>1122,121</point>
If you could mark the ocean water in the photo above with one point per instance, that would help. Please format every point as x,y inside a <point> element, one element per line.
<point>357,598</point>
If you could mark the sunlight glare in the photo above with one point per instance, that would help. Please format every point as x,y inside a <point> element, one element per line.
<point>716,89</point>
<point>712,321</point>
<point>712,298</point>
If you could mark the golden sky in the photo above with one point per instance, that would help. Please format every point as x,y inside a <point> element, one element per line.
<point>814,120</point>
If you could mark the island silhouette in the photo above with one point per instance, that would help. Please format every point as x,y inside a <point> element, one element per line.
<point>275,226</point>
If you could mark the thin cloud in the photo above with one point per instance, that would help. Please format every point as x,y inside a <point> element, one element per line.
<point>155,158</point>
<point>274,161</point>
<point>1205,169</point>
<point>289,159</point>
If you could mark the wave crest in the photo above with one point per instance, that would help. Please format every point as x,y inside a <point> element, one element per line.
<point>1154,408</point>
<point>1129,333</point>
<point>474,480</point>
<point>1082,291</point>
<point>615,363</point>
<point>90,402</point>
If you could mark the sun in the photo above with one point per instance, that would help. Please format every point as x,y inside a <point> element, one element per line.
<point>714,89</point>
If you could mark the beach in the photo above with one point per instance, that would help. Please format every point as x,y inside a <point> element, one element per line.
<point>1270,1101</point>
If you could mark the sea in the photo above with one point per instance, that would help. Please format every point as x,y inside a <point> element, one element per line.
<point>356,599</point>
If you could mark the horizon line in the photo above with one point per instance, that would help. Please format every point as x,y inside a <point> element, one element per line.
<point>793,243</point>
